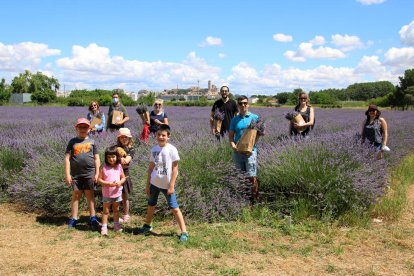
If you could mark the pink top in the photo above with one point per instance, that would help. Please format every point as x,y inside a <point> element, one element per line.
<point>112,174</point>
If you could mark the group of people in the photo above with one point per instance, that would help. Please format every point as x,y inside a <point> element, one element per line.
<point>237,118</point>
<point>83,171</point>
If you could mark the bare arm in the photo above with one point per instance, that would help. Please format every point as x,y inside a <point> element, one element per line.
<point>97,166</point>
<point>126,119</point>
<point>384,131</point>
<point>311,117</point>
<point>174,173</point>
<point>231,139</point>
<point>68,177</point>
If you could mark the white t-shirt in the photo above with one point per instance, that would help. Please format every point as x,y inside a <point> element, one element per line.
<point>163,157</point>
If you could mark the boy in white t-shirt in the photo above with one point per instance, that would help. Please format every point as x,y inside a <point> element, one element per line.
<point>162,173</point>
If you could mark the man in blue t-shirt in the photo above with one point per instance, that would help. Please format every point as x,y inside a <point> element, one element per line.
<point>243,162</point>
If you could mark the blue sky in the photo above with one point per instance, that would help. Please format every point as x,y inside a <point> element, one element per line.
<point>255,47</point>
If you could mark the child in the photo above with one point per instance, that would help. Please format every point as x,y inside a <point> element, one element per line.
<point>81,171</point>
<point>125,142</point>
<point>162,173</point>
<point>111,177</point>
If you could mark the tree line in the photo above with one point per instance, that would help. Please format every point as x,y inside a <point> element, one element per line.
<point>383,93</point>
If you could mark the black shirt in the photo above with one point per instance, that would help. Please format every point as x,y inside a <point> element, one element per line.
<point>230,110</point>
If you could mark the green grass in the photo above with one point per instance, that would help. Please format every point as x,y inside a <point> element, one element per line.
<point>391,206</point>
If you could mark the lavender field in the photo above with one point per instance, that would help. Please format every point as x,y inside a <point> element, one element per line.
<point>327,175</point>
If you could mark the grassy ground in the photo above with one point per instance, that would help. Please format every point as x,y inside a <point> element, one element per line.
<point>256,245</point>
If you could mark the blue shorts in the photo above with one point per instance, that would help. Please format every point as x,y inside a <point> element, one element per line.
<point>246,163</point>
<point>111,199</point>
<point>154,193</point>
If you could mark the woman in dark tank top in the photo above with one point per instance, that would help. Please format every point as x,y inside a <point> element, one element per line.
<point>307,112</point>
<point>375,130</point>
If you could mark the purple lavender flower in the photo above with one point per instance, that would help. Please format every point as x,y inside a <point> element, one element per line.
<point>219,115</point>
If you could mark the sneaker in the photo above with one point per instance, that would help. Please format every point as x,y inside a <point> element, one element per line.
<point>124,219</point>
<point>93,221</point>
<point>72,223</point>
<point>184,237</point>
<point>117,228</point>
<point>145,229</point>
<point>104,231</point>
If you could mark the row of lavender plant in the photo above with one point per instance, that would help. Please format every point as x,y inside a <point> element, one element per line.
<point>331,171</point>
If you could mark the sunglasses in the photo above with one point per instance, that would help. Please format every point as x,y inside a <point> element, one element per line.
<point>371,110</point>
<point>303,98</point>
<point>242,103</point>
<point>157,104</point>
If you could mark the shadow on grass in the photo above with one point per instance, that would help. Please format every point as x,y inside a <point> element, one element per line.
<point>139,231</point>
<point>82,224</point>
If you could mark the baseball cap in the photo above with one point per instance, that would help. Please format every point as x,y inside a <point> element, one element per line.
<point>82,121</point>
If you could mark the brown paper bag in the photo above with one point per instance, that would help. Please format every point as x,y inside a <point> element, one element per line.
<point>300,121</point>
<point>117,116</point>
<point>217,126</point>
<point>247,140</point>
<point>95,121</point>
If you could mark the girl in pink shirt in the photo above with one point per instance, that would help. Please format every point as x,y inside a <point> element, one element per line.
<point>111,177</point>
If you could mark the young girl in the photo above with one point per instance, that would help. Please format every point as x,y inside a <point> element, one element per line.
<point>125,142</point>
<point>111,178</point>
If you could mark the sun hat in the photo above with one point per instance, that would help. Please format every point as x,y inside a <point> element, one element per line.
<point>82,121</point>
<point>123,131</point>
<point>373,107</point>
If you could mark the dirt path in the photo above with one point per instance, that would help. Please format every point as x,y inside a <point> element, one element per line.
<point>32,244</point>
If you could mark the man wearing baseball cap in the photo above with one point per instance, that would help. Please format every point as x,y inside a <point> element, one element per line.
<point>82,170</point>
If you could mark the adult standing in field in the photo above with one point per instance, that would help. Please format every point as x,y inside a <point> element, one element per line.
<point>306,110</point>
<point>96,118</point>
<point>243,162</point>
<point>157,116</point>
<point>225,106</point>
<point>375,130</point>
<point>117,114</point>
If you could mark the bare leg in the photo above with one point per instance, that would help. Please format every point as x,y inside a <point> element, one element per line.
<point>125,203</point>
<point>76,196</point>
<point>179,218</point>
<point>105,212</point>
<point>115,211</point>
<point>90,197</point>
<point>150,215</point>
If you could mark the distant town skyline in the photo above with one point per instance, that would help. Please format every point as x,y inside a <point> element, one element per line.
<point>255,47</point>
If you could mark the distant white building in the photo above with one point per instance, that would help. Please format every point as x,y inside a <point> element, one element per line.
<point>21,98</point>
<point>253,100</point>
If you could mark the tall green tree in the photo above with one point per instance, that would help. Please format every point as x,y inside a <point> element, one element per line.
<point>404,94</point>
<point>4,91</point>
<point>42,87</point>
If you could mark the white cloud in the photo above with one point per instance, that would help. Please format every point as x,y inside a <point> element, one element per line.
<point>273,77</point>
<point>402,58</point>
<point>347,42</point>
<point>318,40</point>
<point>371,66</point>
<point>407,34</point>
<point>221,55</point>
<point>370,2</point>
<point>282,37</point>
<point>25,55</point>
<point>94,64</point>
<point>306,51</point>
<point>211,41</point>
